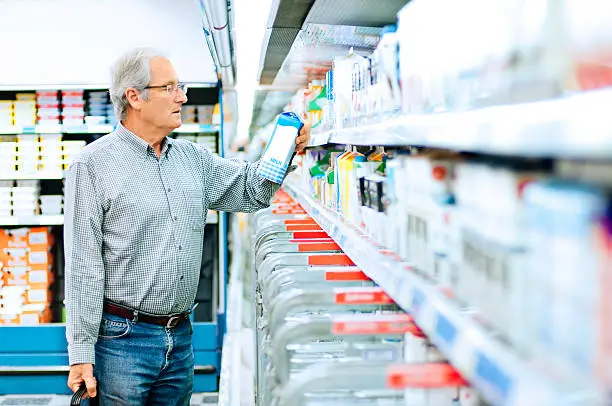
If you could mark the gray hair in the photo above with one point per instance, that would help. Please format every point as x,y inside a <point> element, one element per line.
<point>132,69</point>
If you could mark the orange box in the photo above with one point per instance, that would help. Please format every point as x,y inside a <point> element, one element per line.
<point>22,257</point>
<point>14,238</point>
<point>30,315</point>
<point>15,257</point>
<point>38,296</point>
<point>43,278</point>
<point>40,238</point>
<point>24,276</point>
<point>35,314</point>
<point>13,276</point>
<point>40,259</point>
<point>9,318</point>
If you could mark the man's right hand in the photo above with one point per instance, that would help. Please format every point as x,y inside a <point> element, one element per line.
<point>80,373</point>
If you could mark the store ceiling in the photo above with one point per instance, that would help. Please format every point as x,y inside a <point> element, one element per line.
<point>302,38</point>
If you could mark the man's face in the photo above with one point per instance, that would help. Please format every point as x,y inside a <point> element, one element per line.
<point>163,108</point>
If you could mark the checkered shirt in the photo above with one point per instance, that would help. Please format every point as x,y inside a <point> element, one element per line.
<point>134,226</point>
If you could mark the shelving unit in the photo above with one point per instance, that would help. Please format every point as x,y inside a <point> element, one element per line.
<point>43,175</point>
<point>96,129</point>
<point>494,368</point>
<point>574,127</point>
<point>58,220</point>
<point>41,220</point>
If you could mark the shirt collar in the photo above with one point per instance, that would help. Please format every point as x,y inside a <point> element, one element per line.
<point>138,144</point>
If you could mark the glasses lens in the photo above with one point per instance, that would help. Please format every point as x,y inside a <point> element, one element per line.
<point>182,87</point>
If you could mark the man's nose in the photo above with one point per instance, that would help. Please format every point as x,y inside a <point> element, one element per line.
<point>181,97</point>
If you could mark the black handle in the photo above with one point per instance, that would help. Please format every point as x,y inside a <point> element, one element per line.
<point>78,397</point>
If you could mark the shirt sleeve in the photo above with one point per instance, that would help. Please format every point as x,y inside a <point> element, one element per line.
<point>234,185</point>
<point>84,292</point>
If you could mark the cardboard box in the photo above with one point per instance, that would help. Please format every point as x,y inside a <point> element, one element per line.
<point>28,315</point>
<point>25,277</point>
<point>40,238</point>
<point>38,296</point>
<point>14,257</point>
<point>40,259</point>
<point>14,238</point>
<point>35,314</point>
<point>35,259</point>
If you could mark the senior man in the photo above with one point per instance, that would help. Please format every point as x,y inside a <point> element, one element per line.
<point>136,206</point>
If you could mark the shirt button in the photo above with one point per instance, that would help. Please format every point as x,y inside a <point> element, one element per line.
<point>180,247</point>
<point>169,190</point>
<point>175,218</point>
<point>182,277</point>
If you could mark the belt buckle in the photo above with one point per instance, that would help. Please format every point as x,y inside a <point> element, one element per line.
<point>173,321</point>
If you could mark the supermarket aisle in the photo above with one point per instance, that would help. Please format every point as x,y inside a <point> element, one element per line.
<point>198,399</point>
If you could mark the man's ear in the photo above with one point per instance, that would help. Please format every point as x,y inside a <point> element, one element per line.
<point>133,97</point>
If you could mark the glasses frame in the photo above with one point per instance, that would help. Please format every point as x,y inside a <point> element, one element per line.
<point>171,88</point>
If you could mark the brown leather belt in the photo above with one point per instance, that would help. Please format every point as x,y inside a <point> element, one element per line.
<point>169,321</point>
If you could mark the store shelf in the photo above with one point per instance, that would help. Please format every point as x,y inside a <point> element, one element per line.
<point>197,128</point>
<point>58,220</point>
<point>576,126</point>
<point>495,369</point>
<point>88,129</point>
<point>55,220</point>
<point>95,129</point>
<point>32,176</point>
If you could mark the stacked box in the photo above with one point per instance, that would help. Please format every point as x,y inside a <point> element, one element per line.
<point>24,112</point>
<point>26,275</point>
<point>6,113</point>
<point>8,157</point>
<point>70,150</point>
<point>99,110</point>
<point>28,154</point>
<point>48,105</point>
<point>73,108</point>
<point>205,114</point>
<point>51,204</point>
<point>24,198</point>
<point>5,197</point>
<point>189,114</point>
<point>51,153</point>
<point>26,97</point>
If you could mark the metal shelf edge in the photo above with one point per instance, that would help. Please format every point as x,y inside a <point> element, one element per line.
<point>96,129</point>
<point>53,220</point>
<point>549,128</point>
<point>40,176</point>
<point>41,220</point>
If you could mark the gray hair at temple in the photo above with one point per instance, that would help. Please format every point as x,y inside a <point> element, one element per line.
<point>132,69</point>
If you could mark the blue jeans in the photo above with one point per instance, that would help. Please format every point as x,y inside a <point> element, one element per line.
<point>143,364</point>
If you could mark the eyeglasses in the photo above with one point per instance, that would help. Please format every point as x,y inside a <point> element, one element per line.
<point>171,88</point>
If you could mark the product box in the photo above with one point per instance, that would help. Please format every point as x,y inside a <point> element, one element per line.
<point>14,238</point>
<point>35,314</point>
<point>40,259</point>
<point>40,238</point>
<point>38,295</point>
<point>27,315</point>
<point>25,96</point>
<point>280,149</point>
<point>24,276</point>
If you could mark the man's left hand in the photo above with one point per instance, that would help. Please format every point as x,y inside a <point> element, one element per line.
<point>303,137</point>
